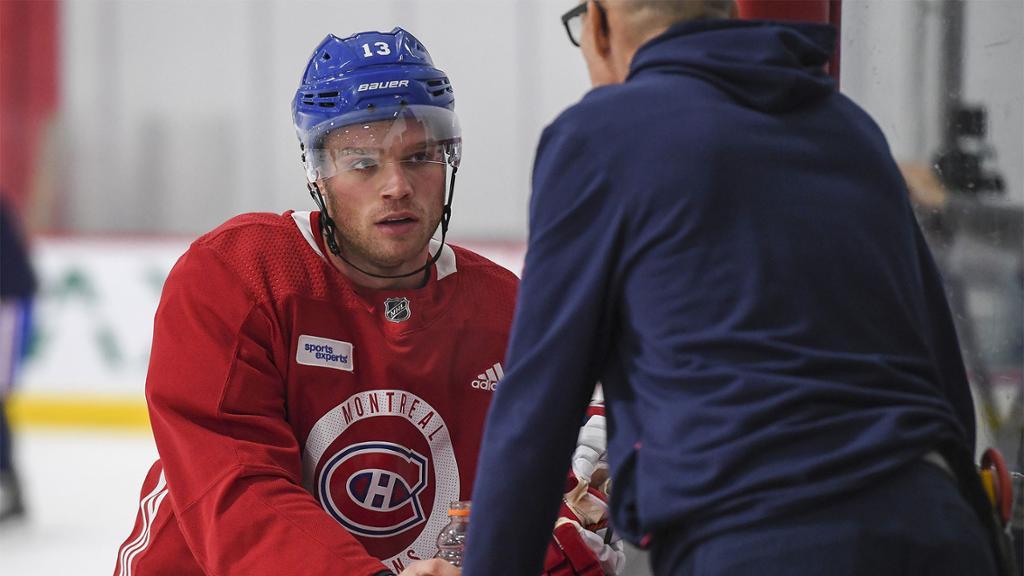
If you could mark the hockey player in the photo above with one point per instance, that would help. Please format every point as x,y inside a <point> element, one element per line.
<point>310,381</point>
<point>319,380</point>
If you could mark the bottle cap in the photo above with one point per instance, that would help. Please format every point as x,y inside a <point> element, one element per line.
<point>459,508</point>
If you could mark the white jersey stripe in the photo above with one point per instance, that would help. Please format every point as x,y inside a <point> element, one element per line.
<point>144,511</point>
<point>147,512</point>
<point>446,261</point>
<point>142,542</point>
<point>491,375</point>
<point>500,372</point>
<point>154,508</point>
<point>306,227</point>
<point>126,548</point>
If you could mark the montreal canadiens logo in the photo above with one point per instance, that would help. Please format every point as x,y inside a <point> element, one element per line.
<point>382,464</point>
<point>390,493</point>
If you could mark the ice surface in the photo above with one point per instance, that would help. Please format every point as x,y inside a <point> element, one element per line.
<point>82,492</point>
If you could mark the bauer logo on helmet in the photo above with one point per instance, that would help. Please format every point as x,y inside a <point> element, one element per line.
<point>383,85</point>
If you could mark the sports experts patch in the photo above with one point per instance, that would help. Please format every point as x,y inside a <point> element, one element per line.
<point>314,351</point>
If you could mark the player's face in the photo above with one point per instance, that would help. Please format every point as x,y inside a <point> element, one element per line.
<point>387,196</point>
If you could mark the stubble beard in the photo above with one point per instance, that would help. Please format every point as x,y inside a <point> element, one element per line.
<point>383,255</point>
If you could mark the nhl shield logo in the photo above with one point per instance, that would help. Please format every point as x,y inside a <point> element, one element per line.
<point>397,309</point>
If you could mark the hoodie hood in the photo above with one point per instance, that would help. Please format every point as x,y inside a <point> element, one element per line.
<point>768,66</point>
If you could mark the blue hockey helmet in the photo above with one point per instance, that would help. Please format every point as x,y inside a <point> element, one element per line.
<point>367,78</point>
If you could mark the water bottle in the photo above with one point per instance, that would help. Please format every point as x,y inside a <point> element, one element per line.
<point>451,542</point>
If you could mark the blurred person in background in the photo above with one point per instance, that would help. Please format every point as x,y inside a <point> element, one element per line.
<point>725,242</point>
<point>319,380</point>
<point>17,288</point>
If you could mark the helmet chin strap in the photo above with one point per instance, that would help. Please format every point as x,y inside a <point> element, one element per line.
<point>327,223</point>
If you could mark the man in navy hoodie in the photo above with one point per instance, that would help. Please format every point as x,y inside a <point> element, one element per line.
<point>725,242</point>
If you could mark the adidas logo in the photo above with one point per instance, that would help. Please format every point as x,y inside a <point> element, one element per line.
<point>489,379</point>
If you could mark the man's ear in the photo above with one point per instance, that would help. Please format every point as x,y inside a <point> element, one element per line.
<point>599,30</point>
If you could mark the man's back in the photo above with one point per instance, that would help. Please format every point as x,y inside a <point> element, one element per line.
<point>725,242</point>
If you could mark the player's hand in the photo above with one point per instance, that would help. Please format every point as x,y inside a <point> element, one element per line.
<point>590,459</point>
<point>610,556</point>
<point>432,567</point>
<point>582,542</point>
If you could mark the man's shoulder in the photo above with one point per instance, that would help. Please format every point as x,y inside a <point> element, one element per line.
<point>267,253</point>
<point>249,225</point>
<point>486,290</point>
<point>603,108</point>
<point>257,237</point>
<point>599,109</point>
<point>481,268</point>
<point>626,111</point>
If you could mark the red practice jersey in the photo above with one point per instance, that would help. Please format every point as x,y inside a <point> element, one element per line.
<point>304,424</point>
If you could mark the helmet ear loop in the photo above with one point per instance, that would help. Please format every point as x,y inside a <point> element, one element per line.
<point>454,159</point>
<point>446,213</point>
<point>325,219</point>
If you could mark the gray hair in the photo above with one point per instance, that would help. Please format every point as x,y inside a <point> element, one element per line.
<point>672,11</point>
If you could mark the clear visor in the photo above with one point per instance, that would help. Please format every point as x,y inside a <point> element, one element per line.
<point>415,136</point>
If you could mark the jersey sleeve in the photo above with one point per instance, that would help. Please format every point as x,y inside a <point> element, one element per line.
<point>232,462</point>
<point>552,362</point>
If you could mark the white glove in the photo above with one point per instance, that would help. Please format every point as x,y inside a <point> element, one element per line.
<point>590,465</point>
<point>611,556</point>
<point>591,453</point>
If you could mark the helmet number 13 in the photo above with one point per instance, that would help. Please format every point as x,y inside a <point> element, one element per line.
<point>382,49</point>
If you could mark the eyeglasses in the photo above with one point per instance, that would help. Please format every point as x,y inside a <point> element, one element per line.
<point>573,21</point>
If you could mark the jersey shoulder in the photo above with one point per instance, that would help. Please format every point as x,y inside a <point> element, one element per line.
<point>268,253</point>
<point>485,282</point>
<point>482,269</point>
<point>252,224</point>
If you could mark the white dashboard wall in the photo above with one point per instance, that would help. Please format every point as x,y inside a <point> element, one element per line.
<point>176,114</point>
